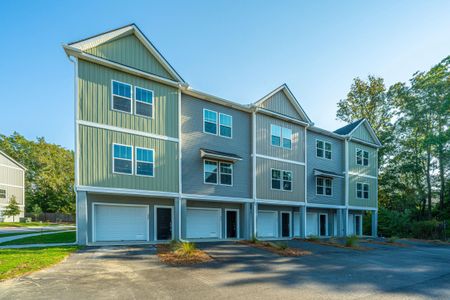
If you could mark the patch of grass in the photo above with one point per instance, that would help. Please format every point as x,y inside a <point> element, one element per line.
<point>392,239</point>
<point>61,237</point>
<point>181,253</point>
<point>254,239</point>
<point>280,248</point>
<point>20,233</point>
<point>351,241</point>
<point>16,262</point>
<point>312,238</point>
<point>31,224</point>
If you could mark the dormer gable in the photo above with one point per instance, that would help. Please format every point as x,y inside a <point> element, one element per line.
<point>360,130</point>
<point>282,101</point>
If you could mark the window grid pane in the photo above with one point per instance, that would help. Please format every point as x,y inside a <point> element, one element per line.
<point>144,95</point>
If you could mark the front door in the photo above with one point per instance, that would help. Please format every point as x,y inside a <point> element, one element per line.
<point>358,225</point>
<point>285,224</point>
<point>163,223</point>
<point>232,230</point>
<point>323,225</point>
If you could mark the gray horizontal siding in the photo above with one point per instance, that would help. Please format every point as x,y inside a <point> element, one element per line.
<point>336,165</point>
<point>193,138</point>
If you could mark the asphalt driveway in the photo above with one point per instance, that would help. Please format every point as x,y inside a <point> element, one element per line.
<point>239,271</point>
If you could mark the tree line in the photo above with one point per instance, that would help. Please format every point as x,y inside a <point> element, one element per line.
<point>412,121</point>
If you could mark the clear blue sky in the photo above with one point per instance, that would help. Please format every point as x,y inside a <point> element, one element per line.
<point>238,51</point>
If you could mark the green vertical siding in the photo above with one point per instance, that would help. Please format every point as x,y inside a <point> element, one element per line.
<point>372,168</point>
<point>95,101</point>
<point>96,161</point>
<point>373,191</point>
<point>362,133</point>
<point>131,52</point>
<point>280,103</point>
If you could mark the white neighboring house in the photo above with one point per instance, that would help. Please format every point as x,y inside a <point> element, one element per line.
<point>12,182</point>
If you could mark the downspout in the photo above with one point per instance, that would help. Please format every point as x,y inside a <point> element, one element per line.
<point>254,171</point>
<point>346,190</point>
<point>74,60</point>
<point>180,175</point>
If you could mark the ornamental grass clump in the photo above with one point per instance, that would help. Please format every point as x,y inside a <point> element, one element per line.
<point>351,241</point>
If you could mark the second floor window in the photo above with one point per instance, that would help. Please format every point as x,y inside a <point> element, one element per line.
<point>323,149</point>
<point>144,162</point>
<point>217,123</point>
<point>324,186</point>
<point>281,180</point>
<point>122,159</point>
<point>362,157</point>
<point>144,102</point>
<point>280,136</point>
<point>362,190</point>
<point>216,172</point>
<point>210,121</point>
<point>2,194</point>
<point>121,96</point>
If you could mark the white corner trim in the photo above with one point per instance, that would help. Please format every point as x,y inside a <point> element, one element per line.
<point>130,131</point>
<point>281,159</point>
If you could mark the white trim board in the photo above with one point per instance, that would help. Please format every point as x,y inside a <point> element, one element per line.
<point>362,175</point>
<point>125,130</point>
<point>12,185</point>
<point>279,202</point>
<point>121,191</point>
<point>281,159</point>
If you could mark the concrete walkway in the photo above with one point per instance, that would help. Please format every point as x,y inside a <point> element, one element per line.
<point>22,236</point>
<point>4,230</point>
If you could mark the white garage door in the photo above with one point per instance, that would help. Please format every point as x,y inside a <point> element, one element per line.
<point>203,223</point>
<point>312,227</point>
<point>120,223</point>
<point>296,224</point>
<point>267,224</point>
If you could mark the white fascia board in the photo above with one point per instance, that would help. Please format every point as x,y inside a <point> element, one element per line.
<point>211,98</point>
<point>279,202</point>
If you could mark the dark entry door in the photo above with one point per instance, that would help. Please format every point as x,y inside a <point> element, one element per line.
<point>358,225</point>
<point>232,231</point>
<point>285,225</point>
<point>323,225</point>
<point>164,223</point>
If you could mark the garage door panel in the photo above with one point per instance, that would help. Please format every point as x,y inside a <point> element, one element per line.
<point>267,223</point>
<point>120,223</point>
<point>312,226</point>
<point>203,223</point>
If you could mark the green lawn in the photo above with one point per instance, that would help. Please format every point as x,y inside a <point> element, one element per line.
<point>22,232</point>
<point>16,262</point>
<point>18,224</point>
<point>62,237</point>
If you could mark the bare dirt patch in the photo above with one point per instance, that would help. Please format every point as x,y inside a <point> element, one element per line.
<point>176,257</point>
<point>271,247</point>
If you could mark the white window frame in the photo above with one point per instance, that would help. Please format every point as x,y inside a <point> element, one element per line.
<point>136,161</point>
<point>155,223</point>
<point>132,159</point>
<point>282,180</point>
<point>324,186</point>
<point>204,171</point>
<point>323,149</point>
<point>204,121</point>
<point>238,235</point>
<point>362,190</point>
<point>362,157</point>
<point>281,137</point>
<point>6,193</point>
<point>220,124</point>
<point>219,180</point>
<point>112,97</point>
<point>136,100</point>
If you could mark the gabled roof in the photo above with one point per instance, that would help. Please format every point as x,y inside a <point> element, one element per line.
<point>285,89</point>
<point>349,129</point>
<point>105,37</point>
<point>12,160</point>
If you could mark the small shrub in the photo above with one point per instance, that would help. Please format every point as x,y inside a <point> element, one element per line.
<point>280,245</point>
<point>312,238</point>
<point>392,239</point>
<point>174,245</point>
<point>253,240</point>
<point>186,248</point>
<point>426,229</point>
<point>351,241</point>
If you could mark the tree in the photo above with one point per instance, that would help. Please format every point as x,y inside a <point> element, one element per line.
<point>36,211</point>
<point>12,209</point>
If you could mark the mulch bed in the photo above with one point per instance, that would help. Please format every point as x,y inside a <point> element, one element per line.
<point>337,245</point>
<point>166,255</point>
<point>271,248</point>
<point>386,243</point>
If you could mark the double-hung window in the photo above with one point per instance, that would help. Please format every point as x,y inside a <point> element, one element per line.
<point>324,186</point>
<point>280,136</point>
<point>323,149</point>
<point>225,125</point>
<point>209,121</point>
<point>121,96</point>
<point>145,162</point>
<point>2,194</point>
<point>144,102</point>
<point>216,172</point>
<point>362,157</point>
<point>362,190</point>
<point>122,159</point>
<point>281,180</point>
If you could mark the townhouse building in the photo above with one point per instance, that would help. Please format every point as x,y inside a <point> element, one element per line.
<point>158,160</point>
